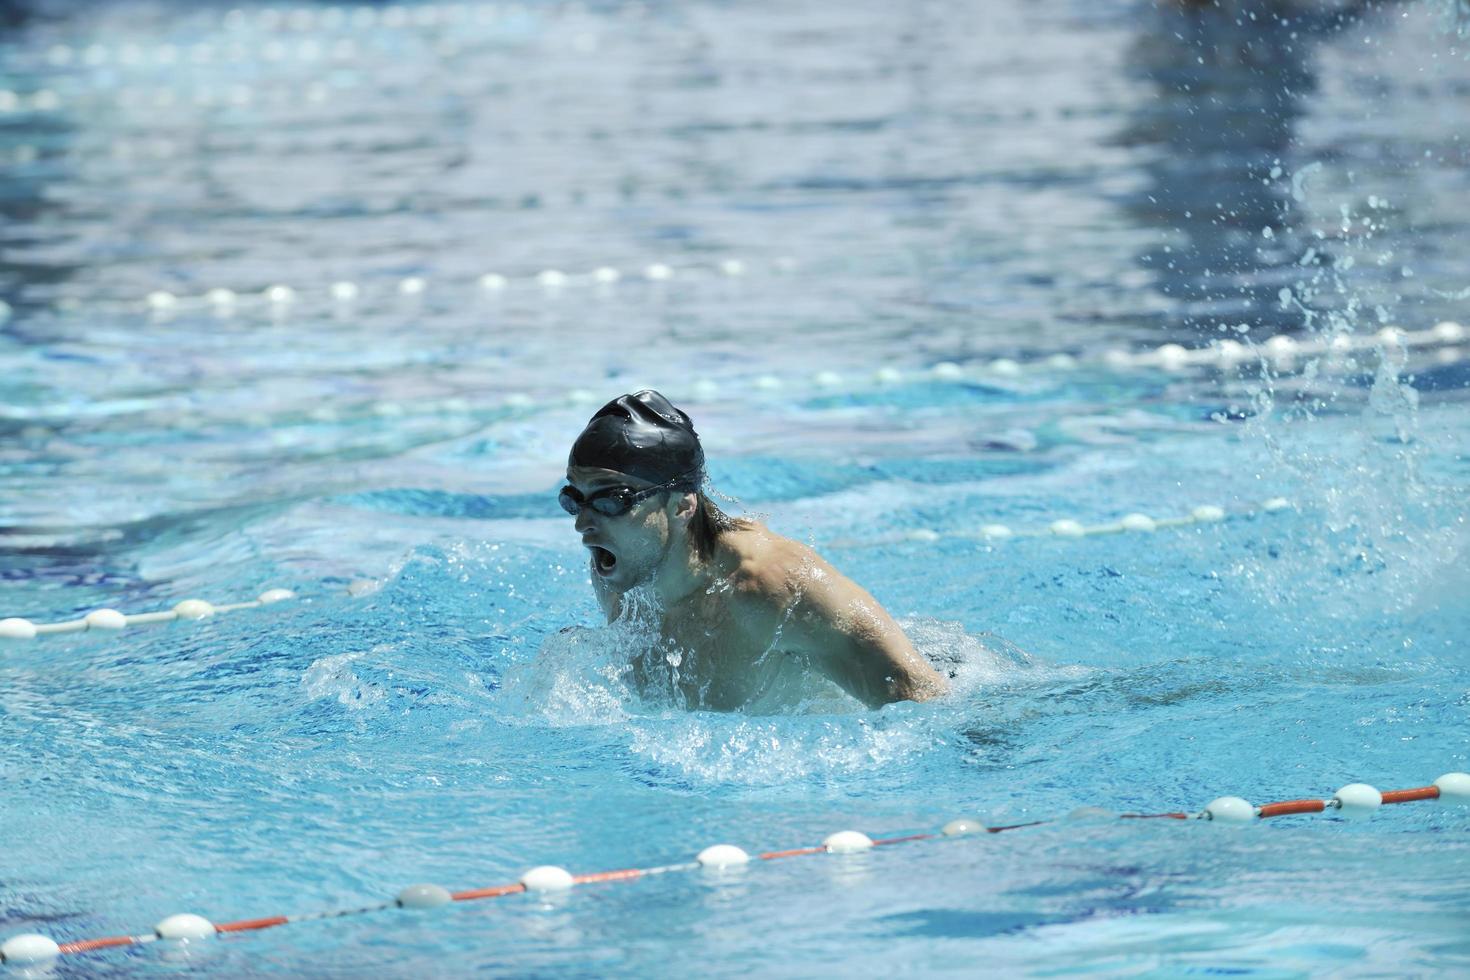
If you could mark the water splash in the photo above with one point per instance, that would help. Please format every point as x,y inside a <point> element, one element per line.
<point>1349,436</point>
<point>579,676</point>
<point>585,677</point>
<point>332,678</point>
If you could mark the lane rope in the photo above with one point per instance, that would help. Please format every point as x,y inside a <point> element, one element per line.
<point>1067,528</point>
<point>347,294</point>
<point>111,620</point>
<point>44,100</point>
<point>1280,353</point>
<point>1355,801</point>
<point>275,25</point>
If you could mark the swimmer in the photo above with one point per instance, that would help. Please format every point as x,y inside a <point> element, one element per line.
<point>727,596</point>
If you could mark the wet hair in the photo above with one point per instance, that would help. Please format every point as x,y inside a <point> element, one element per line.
<point>708,523</point>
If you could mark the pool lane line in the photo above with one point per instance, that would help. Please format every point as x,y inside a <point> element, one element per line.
<point>1353,801</point>
<point>1289,807</point>
<point>494,891</point>
<point>1155,816</point>
<point>16,628</point>
<point>1068,528</point>
<point>344,295</point>
<point>1279,353</point>
<point>110,620</point>
<point>790,852</point>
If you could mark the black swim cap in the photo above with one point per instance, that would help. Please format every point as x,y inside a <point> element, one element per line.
<point>642,435</point>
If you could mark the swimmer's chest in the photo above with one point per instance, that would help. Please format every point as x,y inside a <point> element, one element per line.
<point>732,651</point>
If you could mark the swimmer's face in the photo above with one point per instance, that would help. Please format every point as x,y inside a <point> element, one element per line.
<point>626,549</point>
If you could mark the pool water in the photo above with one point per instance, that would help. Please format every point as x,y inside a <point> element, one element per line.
<point>850,240</point>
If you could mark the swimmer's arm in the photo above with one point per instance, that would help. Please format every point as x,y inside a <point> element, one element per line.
<point>856,643</point>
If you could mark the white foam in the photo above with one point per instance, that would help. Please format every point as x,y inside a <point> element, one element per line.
<point>808,729</point>
<point>333,678</point>
<point>578,677</point>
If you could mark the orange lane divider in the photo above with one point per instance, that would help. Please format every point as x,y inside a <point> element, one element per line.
<point>1354,801</point>
<point>1022,826</point>
<point>1157,816</point>
<point>250,925</point>
<point>494,891</point>
<point>626,874</point>
<point>107,942</point>
<point>1292,806</point>
<point>793,852</point>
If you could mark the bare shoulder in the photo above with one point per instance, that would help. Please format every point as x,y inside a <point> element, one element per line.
<point>764,567</point>
<point>770,575</point>
<point>783,584</point>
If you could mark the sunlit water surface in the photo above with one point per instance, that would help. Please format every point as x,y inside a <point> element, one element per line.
<point>835,188</point>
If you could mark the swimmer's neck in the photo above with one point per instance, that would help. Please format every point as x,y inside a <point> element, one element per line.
<point>681,573</point>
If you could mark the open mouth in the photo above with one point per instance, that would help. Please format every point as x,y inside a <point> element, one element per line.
<point>603,561</point>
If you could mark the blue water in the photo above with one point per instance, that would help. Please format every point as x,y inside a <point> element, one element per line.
<point>903,186</point>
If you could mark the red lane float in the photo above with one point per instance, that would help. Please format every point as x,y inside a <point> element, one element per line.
<point>251,925</point>
<point>793,852</point>
<point>1291,806</point>
<point>87,945</point>
<point>495,891</point>
<point>1354,801</point>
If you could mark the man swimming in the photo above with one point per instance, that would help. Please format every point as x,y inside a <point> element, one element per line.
<point>732,602</point>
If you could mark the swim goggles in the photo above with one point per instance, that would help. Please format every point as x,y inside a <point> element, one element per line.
<point>614,501</point>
